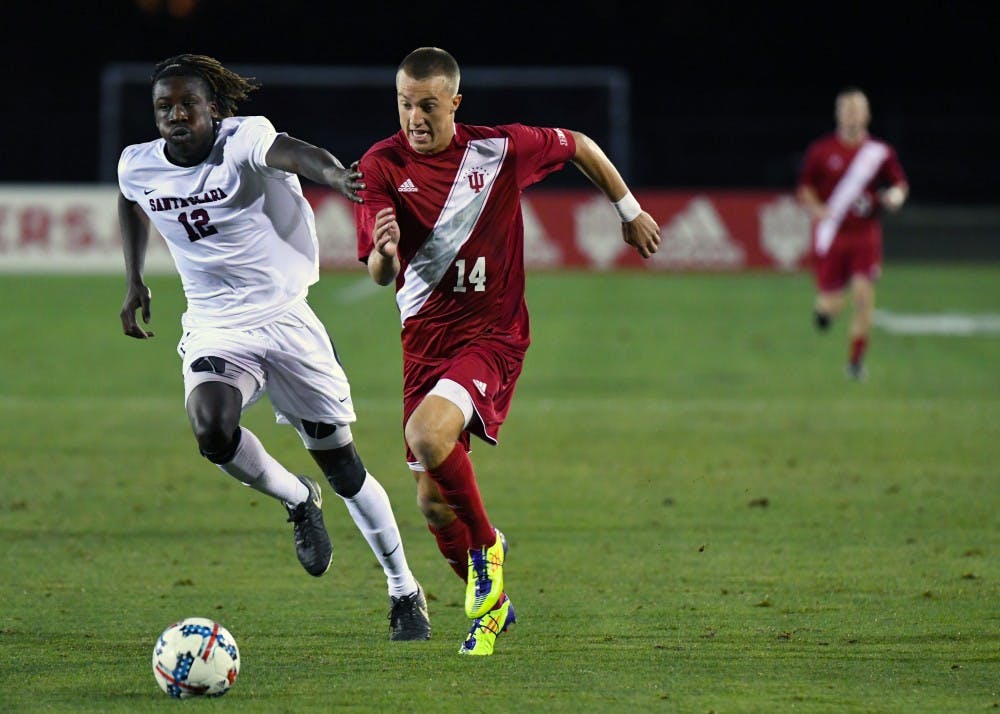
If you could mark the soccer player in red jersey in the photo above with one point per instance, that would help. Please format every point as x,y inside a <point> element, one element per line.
<point>442,218</point>
<point>846,180</point>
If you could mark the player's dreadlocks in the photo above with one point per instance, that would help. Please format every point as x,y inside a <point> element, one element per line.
<point>227,87</point>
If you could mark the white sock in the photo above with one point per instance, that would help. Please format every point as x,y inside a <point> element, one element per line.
<point>372,513</point>
<point>254,467</point>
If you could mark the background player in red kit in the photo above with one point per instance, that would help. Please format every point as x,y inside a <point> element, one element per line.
<point>442,217</point>
<point>847,178</point>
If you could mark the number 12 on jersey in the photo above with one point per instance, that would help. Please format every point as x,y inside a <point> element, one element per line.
<point>201,228</point>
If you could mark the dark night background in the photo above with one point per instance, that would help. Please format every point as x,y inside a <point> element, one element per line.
<point>723,95</point>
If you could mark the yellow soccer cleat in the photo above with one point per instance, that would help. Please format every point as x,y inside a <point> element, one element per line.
<point>485,629</point>
<point>484,584</point>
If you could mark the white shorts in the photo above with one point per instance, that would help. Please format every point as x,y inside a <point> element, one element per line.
<point>291,358</point>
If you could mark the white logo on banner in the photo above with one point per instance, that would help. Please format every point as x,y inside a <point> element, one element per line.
<point>785,231</point>
<point>697,237</point>
<point>335,230</point>
<point>540,251</point>
<point>53,229</point>
<point>598,232</point>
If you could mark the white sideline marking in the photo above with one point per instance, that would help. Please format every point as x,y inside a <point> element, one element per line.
<point>945,323</point>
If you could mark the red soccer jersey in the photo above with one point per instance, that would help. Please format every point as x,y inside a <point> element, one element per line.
<point>461,247</point>
<point>828,164</point>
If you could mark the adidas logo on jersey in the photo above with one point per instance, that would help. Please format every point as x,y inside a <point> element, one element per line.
<point>407,187</point>
<point>480,386</point>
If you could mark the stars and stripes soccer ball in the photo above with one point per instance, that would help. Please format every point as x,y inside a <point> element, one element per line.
<point>196,657</point>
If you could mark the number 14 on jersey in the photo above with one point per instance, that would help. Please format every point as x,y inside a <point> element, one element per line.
<point>476,277</point>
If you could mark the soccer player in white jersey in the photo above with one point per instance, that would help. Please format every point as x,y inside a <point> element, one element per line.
<point>441,219</point>
<point>224,193</point>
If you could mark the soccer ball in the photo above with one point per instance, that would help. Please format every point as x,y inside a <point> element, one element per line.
<point>196,657</point>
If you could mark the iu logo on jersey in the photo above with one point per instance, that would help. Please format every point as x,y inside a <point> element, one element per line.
<point>477,179</point>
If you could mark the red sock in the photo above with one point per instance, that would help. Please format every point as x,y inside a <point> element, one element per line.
<point>858,345</point>
<point>453,542</point>
<point>457,482</point>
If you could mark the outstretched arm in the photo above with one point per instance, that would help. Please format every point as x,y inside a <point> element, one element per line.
<point>134,228</point>
<point>316,164</point>
<point>639,229</point>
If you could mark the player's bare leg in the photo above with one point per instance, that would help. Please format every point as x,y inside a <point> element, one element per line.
<point>828,305</point>
<point>863,299</point>
<point>433,429</point>
<point>214,410</point>
<point>432,433</point>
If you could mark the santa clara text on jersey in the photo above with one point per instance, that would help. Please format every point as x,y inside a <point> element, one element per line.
<point>171,202</point>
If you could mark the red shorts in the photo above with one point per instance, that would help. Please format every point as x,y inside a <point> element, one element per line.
<point>487,369</point>
<point>856,253</point>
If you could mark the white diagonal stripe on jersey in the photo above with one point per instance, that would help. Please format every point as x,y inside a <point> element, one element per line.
<point>454,225</point>
<point>866,162</point>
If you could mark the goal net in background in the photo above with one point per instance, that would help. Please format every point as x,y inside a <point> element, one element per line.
<point>347,109</point>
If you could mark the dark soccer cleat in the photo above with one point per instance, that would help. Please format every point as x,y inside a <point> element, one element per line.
<point>856,371</point>
<point>312,542</point>
<point>822,321</point>
<point>408,619</point>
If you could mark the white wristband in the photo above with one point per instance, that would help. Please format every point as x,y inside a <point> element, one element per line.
<point>628,208</point>
<point>894,197</point>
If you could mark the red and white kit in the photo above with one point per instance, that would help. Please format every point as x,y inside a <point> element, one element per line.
<point>460,289</point>
<point>847,178</point>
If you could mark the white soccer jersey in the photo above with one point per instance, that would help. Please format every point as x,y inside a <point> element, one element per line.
<point>242,235</point>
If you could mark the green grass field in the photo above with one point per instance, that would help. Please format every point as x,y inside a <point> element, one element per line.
<point>704,515</point>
